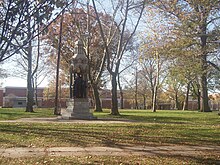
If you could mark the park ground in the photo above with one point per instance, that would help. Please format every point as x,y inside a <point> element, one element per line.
<point>135,137</point>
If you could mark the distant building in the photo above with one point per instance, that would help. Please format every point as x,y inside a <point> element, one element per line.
<point>15,97</point>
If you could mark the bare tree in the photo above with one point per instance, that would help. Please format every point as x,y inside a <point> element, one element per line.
<point>122,18</point>
<point>14,20</point>
<point>22,22</point>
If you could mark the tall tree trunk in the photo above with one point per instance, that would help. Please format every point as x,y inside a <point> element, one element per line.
<point>196,91</point>
<point>71,82</point>
<point>57,110</point>
<point>136,89</point>
<point>203,82</point>
<point>199,99</point>
<point>114,108</point>
<point>176,101</point>
<point>204,106</point>
<point>156,85</point>
<point>35,88</point>
<point>154,106</point>
<point>98,106</point>
<point>186,101</point>
<point>144,96</point>
<point>30,90</point>
<point>122,99</point>
<point>152,97</point>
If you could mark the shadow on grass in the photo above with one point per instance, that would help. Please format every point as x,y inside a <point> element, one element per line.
<point>169,117</point>
<point>164,159</point>
<point>150,119</point>
<point>110,135</point>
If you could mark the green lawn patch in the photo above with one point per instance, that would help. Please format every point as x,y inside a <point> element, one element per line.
<point>17,113</point>
<point>134,134</point>
<point>165,116</point>
<point>122,160</point>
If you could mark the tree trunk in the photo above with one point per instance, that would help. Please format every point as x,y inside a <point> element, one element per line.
<point>204,104</point>
<point>204,89</point>
<point>152,97</point>
<point>186,101</point>
<point>154,106</point>
<point>156,85</point>
<point>176,101</point>
<point>71,82</point>
<point>57,110</point>
<point>196,91</point>
<point>35,88</point>
<point>122,99</point>
<point>30,90</point>
<point>114,109</point>
<point>136,89</point>
<point>98,106</point>
<point>199,99</point>
<point>145,107</point>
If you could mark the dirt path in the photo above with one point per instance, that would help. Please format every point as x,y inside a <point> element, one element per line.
<point>110,151</point>
<point>59,120</point>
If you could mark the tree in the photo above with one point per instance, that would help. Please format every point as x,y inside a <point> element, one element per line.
<point>19,20</point>
<point>153,60</point>
<point>127,63</point>
<point>121,11</point>
<point>197,20</point>
<point>175,87</point>
<point>57,110</point>
<point>13,21</point>
<point>78,24</point>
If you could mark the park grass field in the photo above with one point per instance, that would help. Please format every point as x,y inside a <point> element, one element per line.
<point>18,113</point>
<point>115,160</point>
<point>146,129</point>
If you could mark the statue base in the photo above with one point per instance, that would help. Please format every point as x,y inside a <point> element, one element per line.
<point>77,108</point>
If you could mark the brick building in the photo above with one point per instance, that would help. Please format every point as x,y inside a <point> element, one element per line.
<point>16,97</point>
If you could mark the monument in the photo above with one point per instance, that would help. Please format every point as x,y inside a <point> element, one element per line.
<point>78,104</point>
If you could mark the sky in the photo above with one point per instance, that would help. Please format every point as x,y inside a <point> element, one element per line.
<point>18,82</point>
<point>13,80</point>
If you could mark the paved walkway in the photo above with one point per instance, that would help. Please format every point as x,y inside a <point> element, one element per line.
<point>59,120</point>
<point>183,150</point>
<point>110,151</point>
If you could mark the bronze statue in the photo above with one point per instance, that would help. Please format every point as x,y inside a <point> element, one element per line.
<point>78,72</point>
<point>79,86</point>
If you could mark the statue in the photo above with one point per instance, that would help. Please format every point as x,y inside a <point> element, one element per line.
<point>78,104</point>
<point>79,87</point>
<point>78,72</point>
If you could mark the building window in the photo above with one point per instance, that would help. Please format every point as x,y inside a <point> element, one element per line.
<point>20,103</point>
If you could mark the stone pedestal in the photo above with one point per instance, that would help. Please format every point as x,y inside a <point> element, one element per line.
<point>77,108</point>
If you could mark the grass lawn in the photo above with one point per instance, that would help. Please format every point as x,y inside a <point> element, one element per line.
<point>17,113</point>
<point>160,128</point>
<point>114,160</point>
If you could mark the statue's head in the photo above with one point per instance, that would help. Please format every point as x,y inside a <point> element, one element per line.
<point>79,60</point>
